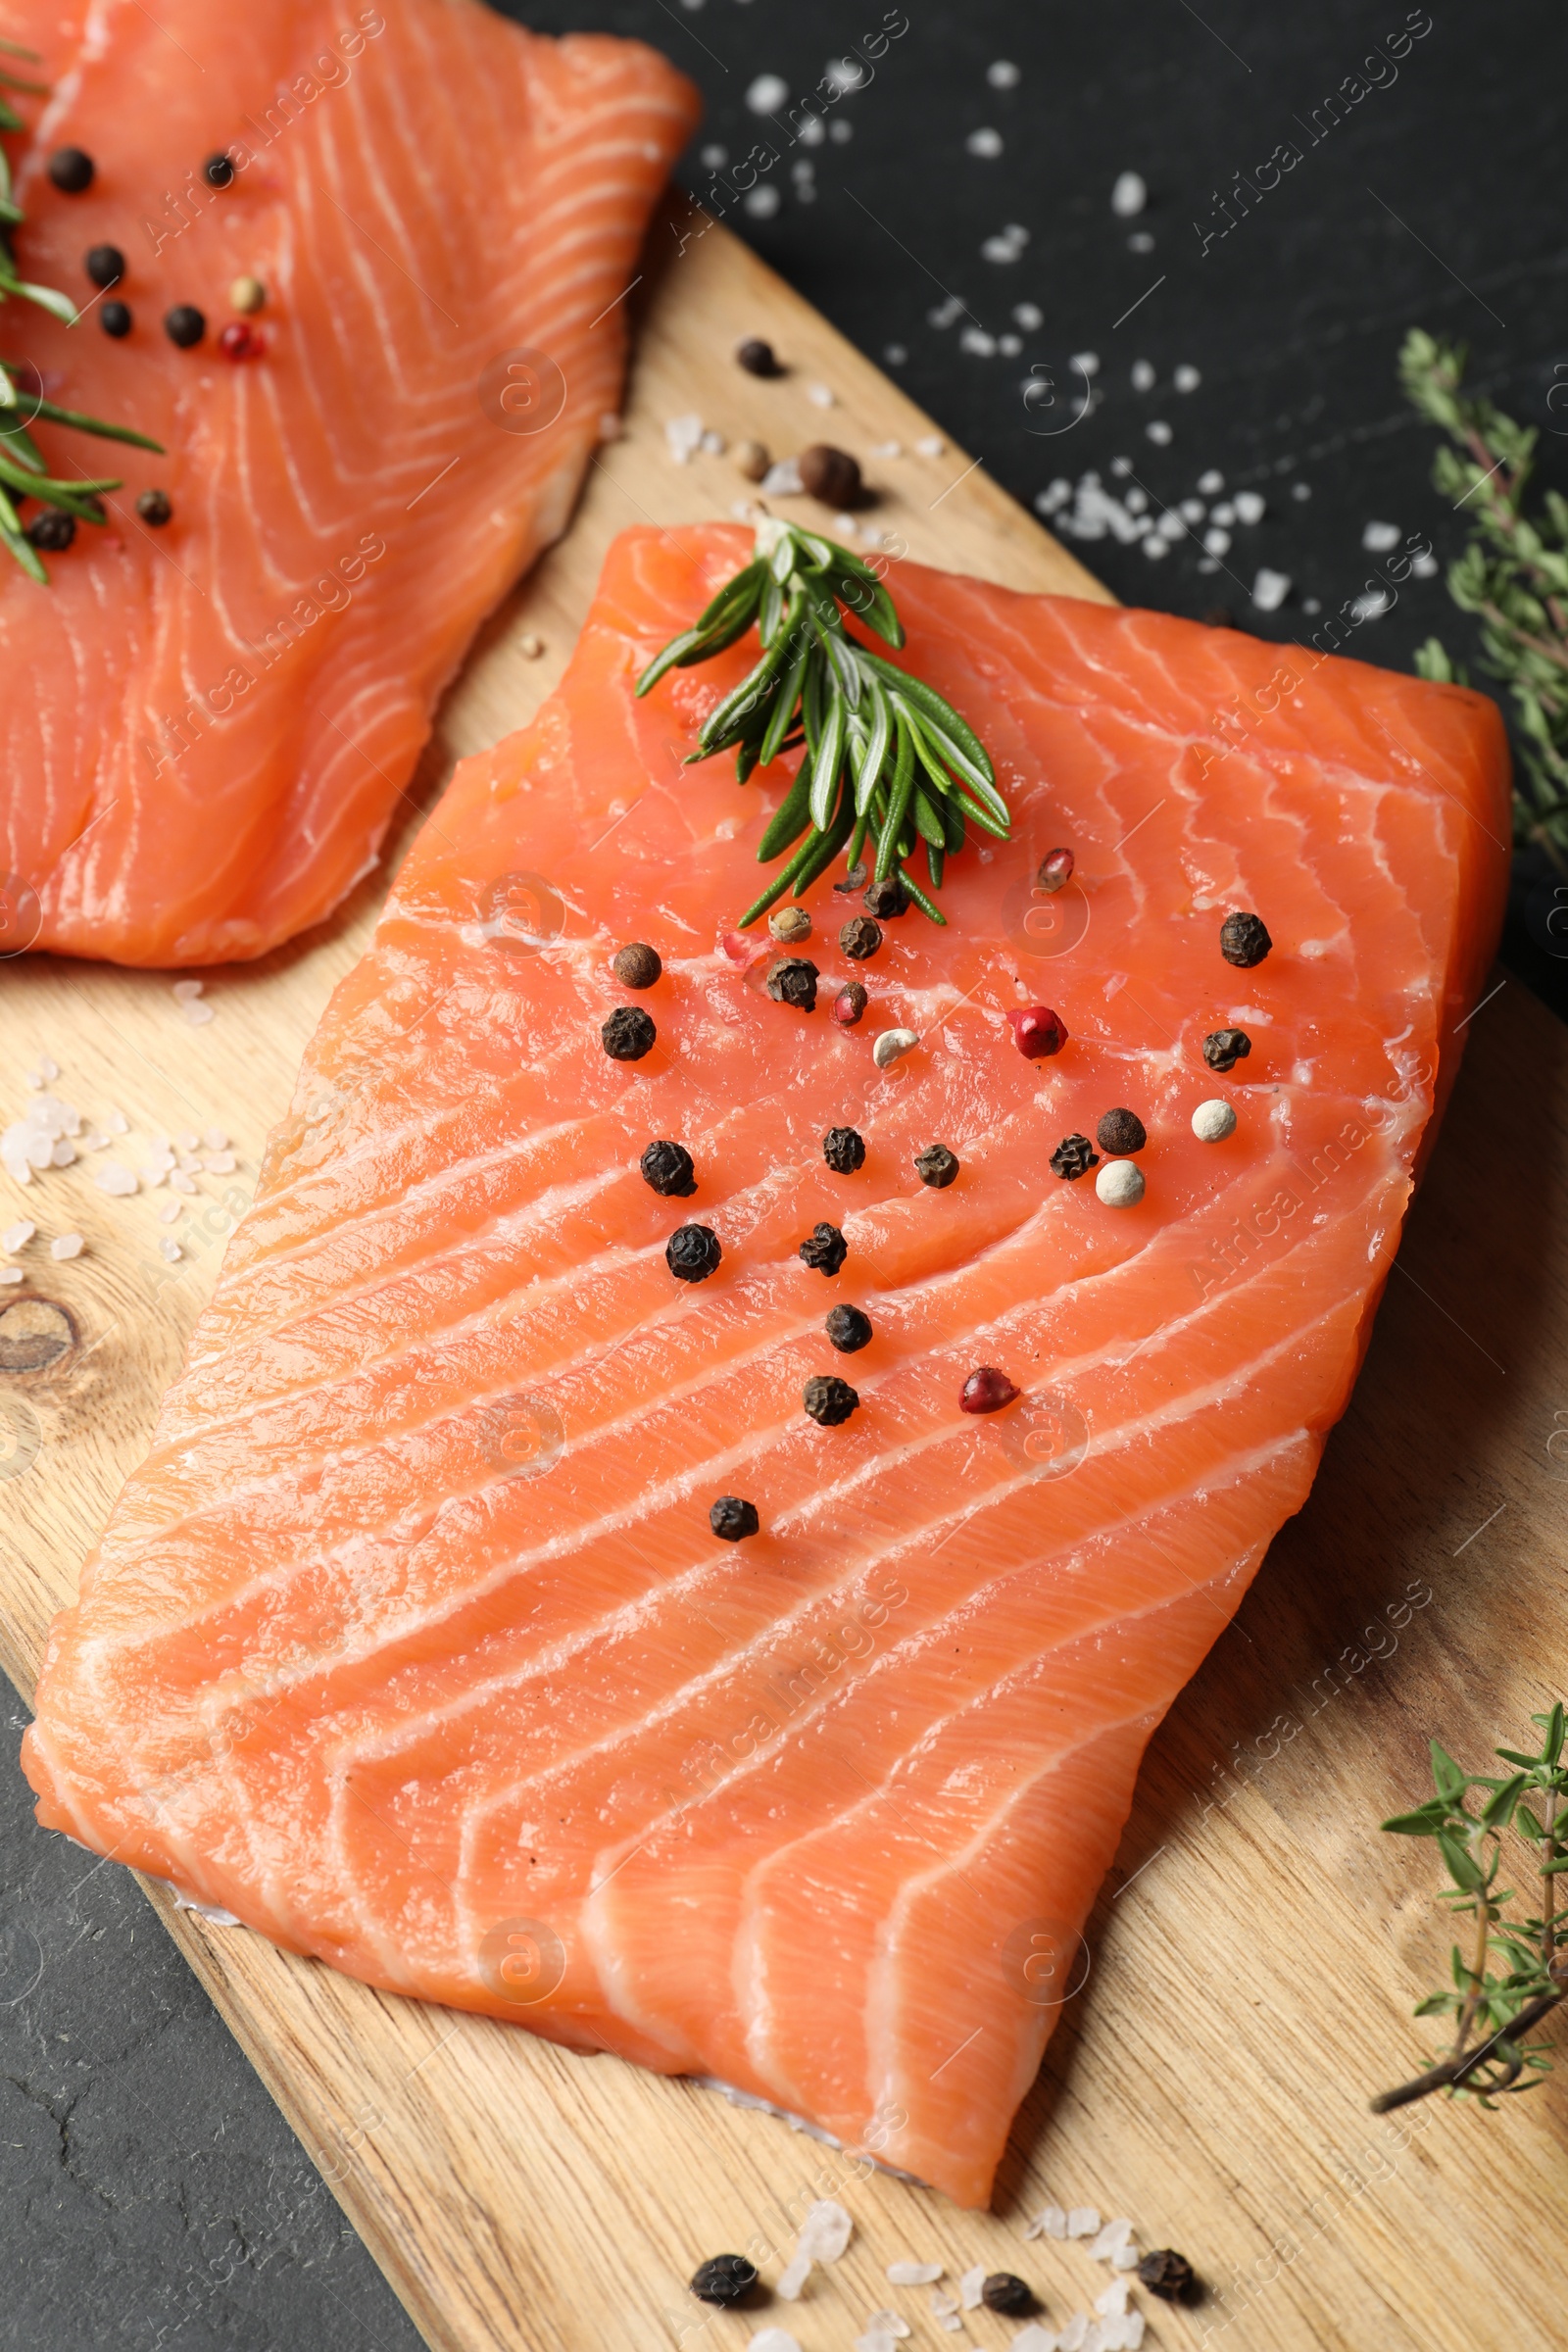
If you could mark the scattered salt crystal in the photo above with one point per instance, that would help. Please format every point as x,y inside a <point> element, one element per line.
<point>1270,589</point>
<point>887,449</point>
<point>33,1079</point>
<point>1370,604</point>
<point>190,1162</point>
<point>1083,2222</point>
<point>1001,248</point>
<point>1004,75</point>
<point>1033,2338</point>
<point>189,1142</point>
<point>1158,432</point>
<point>783,479</point>
<point>821,396</point>
<point>772,2339</point>
<point>932,446</point>
<point>1379,537</point>
<point>1248,507</point>
<point>1113,2302</point>
<point>1129,195</point>
<point>1144,375</point>
<point>1050,2222</point>
<point>1132,2332</point>
<point>1186,377</point>
<point>38,1150</point>
<point>1111,2240</point>
<point>65,1245</point>
<point>914,2273</point>
<point>196,1013</point>
<point>1224,514</point>
<point>683,437</point>
<point>796,2272</point>
<point>1211,483</point>
<point>16,1237</point>
<point>64,1153</point>
<point>1127,2258</point>
<point>117,1123</point>
<point>969,2286</point>
<point>114,1177</point>
<point>181,1183</point>
<point>12,1274</point>
<point>185,989</point>
<point>48,1070</point>
<point>767,93</point>
<point>1424,567</point>
<point>888,2322</point>
<point>1301,489</point>
<point>825,2231</point>
<point>985,142</point>
<point>1157,545</point>
<point>943,2305</point>
<point>93,1140</point>
<point>976,340</point>
<point>1029,316</point>
<point>220,1164</point>
<point>171,1214</point>
<point>215,1139</point>
<point>1217,542</point>
<point>1073,2336</point>
<point>1141,241</point>
<point>875,2339</point>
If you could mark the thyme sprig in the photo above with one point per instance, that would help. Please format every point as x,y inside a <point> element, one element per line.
<point>1513,574</point>
<point>1517,1969</point>
<point>22,471</point>
<point>887,763</point>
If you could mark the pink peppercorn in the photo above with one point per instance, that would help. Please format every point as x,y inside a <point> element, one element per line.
<point>986,1391</point>
<point>1056,870</point>
<point>240,340</point>
<point>1038,1031</point>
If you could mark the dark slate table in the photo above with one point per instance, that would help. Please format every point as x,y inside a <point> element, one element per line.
<point>150,2194</point>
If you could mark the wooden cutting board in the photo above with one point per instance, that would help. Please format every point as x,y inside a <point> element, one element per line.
<point>1257,1947</point>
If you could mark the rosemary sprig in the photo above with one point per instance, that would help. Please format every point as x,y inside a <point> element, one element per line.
<point>22,471</point>
<point>887,763</point>
<point>1495,2005</point>
<point>1513,574</point>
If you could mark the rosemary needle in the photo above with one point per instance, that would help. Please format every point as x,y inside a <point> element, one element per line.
<point>886,765</point>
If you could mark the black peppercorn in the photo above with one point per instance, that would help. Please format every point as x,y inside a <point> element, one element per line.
<point>115,318</point>
<point>732,1519</point>
<point>154,507</point>
<point>1243,941</point>
<point>637,965</point>
<point>1073,1157</point>
<point>105,265</point>
<point>628,1034</point>
<point>71,170</point>
<point>936,1166</point>
<point>1224,1047</point>
<point>1121,1131</point>
<point>830,474</point>
<point>1168,2275</point>
<point>692,1252</point>
<point>757,357</point>
<point>824,1250</point>
<point>668,1168</point>
<point>848,1330</point>
<point>184,324</point>
<point>794,982</point>
<point>885,899</point>
<point>52,531</point>
<point>1011,2295</point>
<point>217,172</point>
<point>860,938</point>
<point>844,1150</point>
<point>724,2279</point>
<point>829,1399</point>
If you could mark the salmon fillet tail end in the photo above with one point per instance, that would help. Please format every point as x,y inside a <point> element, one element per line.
<point>412,1642</point>
<point>445,213</point>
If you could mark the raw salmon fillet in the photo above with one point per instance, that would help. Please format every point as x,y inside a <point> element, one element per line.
<point>222,713</point>
<point>410,1643</point>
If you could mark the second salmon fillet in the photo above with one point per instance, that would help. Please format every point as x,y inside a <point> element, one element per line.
<point>410,1642</point>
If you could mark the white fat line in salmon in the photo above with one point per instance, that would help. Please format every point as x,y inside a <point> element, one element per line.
<point>1377,72</point>
<point>732,183</point>
<point>331,70</point>
<point>330,592</point>
<point>1237,721</point>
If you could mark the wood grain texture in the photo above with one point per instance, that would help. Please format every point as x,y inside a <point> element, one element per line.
<point>1257,1946</point>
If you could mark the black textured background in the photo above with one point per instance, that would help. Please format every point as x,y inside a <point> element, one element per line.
<point>150,2194</point>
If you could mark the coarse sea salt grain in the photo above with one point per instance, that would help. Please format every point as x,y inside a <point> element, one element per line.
<point>114,1177</point>
<point>220,1164</point>
<point>1186,377</point>
<point>1270,589</point>
<point>12,1274</point>
<point>1129,195</point>
<point>17,1236</point>
<point>1111,2240</point>
<point>197,1013</point>
<point>783,479</point>
<point>772,2339</point>
<point>796,2272</point>
<point>888,2322</point>
<point>985,142</point>
<point>1159,432</point>
<point>171,1214</point>
<point>914,2273</point>
<point>767,93</point>
<point>1004,75</point>
<point>181,1182</point>
<point>170,1250</point>
<point>969,2286</point>
<point>117,1123</point>
<point>1143,375</point>
<point>887,449</point>
<point>1379,537</point>
<point>931,446</point>
<point>825,2231</point>
<point>683,436</point>
<point>1083,2220</point>
<point>875,2339</point>
<point>943,2304</point>
<point>1075,2334</point>
<point>67,1245</point>
<point>1211,483</point>
<point>1050,2222</point>
<point>1033,2338</point>
<point>1248,507</point>
<point>215,1139</point>
<point>184,990</point>
<point>1128,2258</point>
<point>821,396</point>
<point>1113,2301</point>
